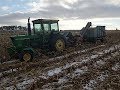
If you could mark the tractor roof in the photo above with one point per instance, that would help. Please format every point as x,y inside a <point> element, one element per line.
<point>44,21</point>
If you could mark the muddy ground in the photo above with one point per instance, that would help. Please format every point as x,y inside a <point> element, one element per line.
<point>92,67</point>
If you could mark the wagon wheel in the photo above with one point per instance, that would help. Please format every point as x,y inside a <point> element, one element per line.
<point>103,40</point>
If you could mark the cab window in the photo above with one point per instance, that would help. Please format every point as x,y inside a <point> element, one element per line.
<point>54,26</point>
<point>37,28</point>
<point>46,27</point>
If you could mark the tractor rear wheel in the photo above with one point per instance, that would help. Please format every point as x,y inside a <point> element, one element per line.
<point>58,43</point>
<point>26,56</point>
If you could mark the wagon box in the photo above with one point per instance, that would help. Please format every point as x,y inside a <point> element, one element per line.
<point>91,34</point>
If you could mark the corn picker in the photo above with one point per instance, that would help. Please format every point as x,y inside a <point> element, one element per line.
<point>46,36</point>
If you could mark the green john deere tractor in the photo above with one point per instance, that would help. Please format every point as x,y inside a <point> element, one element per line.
<point>45,35</point>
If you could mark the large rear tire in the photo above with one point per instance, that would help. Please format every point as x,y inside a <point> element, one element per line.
<point>57,43</point>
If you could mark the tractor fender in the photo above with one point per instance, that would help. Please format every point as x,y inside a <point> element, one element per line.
<point>58,35</point>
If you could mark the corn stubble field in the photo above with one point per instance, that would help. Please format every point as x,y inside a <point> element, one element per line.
<point>84,67</point>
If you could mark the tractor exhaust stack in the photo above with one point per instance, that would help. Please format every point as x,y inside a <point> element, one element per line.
<point>29,27</point>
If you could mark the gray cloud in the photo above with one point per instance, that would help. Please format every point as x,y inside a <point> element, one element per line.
<point>82,9</point>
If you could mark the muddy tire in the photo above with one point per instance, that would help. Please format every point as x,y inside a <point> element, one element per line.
<point>57,43</point>
<point>26,56</point>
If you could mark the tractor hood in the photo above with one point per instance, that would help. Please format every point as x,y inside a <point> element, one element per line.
<point>23,37</point>
<point>20,37</point>
<point>21,40</point>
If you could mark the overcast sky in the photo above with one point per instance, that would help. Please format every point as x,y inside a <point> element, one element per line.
<point>73,14</point>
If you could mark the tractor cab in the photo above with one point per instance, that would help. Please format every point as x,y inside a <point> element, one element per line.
<point>45,26</point>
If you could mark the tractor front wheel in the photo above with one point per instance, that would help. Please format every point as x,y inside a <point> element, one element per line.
<point>26,56</point>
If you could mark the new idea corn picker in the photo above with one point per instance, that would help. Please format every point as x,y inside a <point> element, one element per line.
<point>46,36</point>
